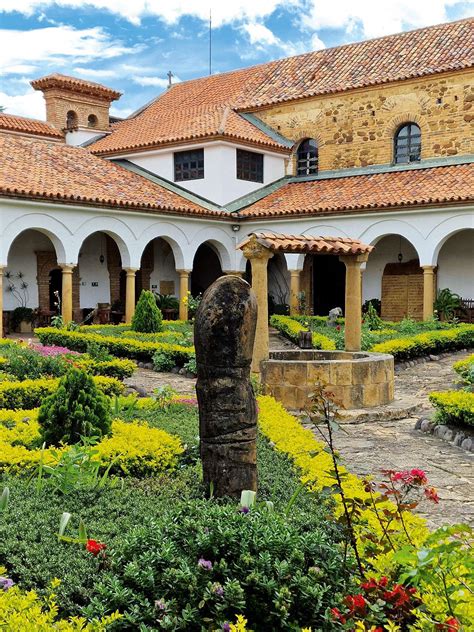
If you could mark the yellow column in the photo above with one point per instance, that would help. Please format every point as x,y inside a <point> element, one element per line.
<point>259,256</point>
<point>1,302</point>
<point>130,294</point>
<point>66,294</point>
<point>183,292</point>
<point>353,307</point>
<point>233,273</point>
<point>294,291</point>
<point>428,291</point>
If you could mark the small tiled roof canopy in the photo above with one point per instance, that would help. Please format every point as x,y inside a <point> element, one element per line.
<point>308,244</point>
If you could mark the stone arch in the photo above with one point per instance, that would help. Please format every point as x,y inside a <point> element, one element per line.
<point>172,235</point>
<point>117,230</point>
<point>207,267</point>
<point>455,265</point>
<point>49,226</point>
<point>304,134</point>
<point>443,231</point>
<point>220,240</point>
<point>375,232</point>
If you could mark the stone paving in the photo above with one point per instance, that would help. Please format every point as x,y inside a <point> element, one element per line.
<point>393,444</point>
<point>368,447</point>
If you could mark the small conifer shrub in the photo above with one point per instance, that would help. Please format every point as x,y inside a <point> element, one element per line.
<point>148,318</point>
<point>76,409</point>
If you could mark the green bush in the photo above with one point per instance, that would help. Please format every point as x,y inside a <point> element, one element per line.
<point>429,342</point>
<point>453,407</point>
<point>147,318</point>
<point>162,362</point>
<point>202,562</point>
<point>77,409</point>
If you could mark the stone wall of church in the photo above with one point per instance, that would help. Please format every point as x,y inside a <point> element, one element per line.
<point>356,129</point>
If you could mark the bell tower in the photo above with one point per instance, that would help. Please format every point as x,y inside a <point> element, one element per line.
<point>77,107</point>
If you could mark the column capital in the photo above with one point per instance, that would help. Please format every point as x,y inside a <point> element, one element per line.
<point>428,269</point>
<point>130,271</point>
<point>295,272</point>
<point>353,260</point>
<point>67,268</point>
<point>183,272</point>
<point>253,249</point>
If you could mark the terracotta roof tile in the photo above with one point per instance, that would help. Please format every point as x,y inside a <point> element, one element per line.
<point>277,242</point>
<point>24,125</point>
<point>194,109</point>
<point>57,172</point>
<point>65,82</point>
<point>412,187</point>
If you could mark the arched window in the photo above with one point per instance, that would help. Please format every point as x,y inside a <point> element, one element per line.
<point>307,158</point>
<point>407,144</point>
<point>71,119</point>
<point>92,120</point>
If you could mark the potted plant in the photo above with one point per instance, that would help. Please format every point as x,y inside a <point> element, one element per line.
<point>447,303</point>
<point>22,316</point>
<point>168,304</point>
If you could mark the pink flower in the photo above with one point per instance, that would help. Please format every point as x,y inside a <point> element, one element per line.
<point>205,564</point>
<point>431,494</point>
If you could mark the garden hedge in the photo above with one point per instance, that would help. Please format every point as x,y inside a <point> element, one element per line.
<point>119,346</point>
<point>453,407</point>
<point>290,328</point>
<point>30,393</point>
<point>429,342</point>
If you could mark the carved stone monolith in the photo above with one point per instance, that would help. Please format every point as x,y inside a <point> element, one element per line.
<point>224,333</point>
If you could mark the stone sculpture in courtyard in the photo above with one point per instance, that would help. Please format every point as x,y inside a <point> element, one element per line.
<point>224,333</point>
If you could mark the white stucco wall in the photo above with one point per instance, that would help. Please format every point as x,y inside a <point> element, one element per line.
<point>22,258</point>
<point>94,283</point>
<point>220,183</point>
<point>386,251</point>
<point>164,267</point>
<point>81,135</point>
<point>456,264</point>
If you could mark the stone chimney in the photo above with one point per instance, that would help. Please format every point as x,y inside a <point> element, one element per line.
<point>75,104</point>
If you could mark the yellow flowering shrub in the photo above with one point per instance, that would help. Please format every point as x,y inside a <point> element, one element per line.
<point>135,448</point>
<point>116,345</point>
<point>22,611</point>
<point>453,406</point>
<point>428,342</point>
<point>30,393</point>
<point>291,328</point>
<point>139,450</point>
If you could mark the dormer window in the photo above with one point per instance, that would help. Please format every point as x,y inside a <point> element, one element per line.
<point>249,166</point>
<point>407,144</point>
<point>307,158</point>
<point>71,120</point>
<point>189,165</point>
<point>92,120</point>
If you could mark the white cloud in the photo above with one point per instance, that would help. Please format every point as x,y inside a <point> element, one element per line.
<point>58,45</point>
<point>158,82</point>
<point>373,18</point>
<point>95,73</point>
<point>169,11</point>
<point>31,104</point>
<point>261,37</point>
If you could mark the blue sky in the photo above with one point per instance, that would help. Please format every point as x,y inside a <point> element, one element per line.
<point>130,45</point>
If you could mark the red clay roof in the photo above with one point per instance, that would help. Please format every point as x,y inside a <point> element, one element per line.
<point>278,242</point>
<point>165,122</point>
<point>53,171</point>
<point>13,123</point>
<point>65,82</point>
<point>194,109</point>
<point>412,187</point>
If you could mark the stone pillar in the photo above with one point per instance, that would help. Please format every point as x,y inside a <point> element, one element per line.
<point>130,294</point>
<point>224,341</point>
<point>258,256</point>
<point>66,298</point>
<point>353,307</point>
<point>183,292</point>
<point>233,273</point>
<point>428,291</point>
<point>1,302</point>
<point>294,291</point>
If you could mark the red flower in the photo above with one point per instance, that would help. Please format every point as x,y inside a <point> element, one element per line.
<point>370,585</point>
<point>95,547</point>
<point>419,476</point>
<point>356,604</point>
<point>338,327</point>
<point>430,493</point>
<point>337,615</point>
<point>450,625</point>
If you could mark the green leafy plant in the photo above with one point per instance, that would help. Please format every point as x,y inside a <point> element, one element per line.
<point>191,366</point>
<point>447,303</point>
<point>21,314</point>
<point>164,395</point>
<point>77,409</point>
<point>166,301</point>
<point>372,319</point>
<point>162,362</point>
<point>147,317</point>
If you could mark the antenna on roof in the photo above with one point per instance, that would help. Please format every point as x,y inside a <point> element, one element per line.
<point>210,41</point>
<point>170,76</point>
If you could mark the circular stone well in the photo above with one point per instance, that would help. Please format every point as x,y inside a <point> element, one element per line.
<point>358,379</point>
